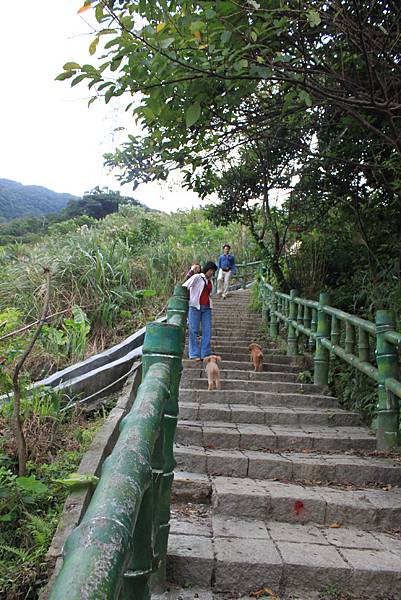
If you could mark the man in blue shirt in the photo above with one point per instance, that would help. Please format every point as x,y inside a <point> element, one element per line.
<point>227,268</point>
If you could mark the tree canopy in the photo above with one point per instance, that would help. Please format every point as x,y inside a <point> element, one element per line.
<point>259,99</point>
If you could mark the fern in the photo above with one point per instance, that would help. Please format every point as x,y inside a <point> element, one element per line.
<point>24,555</point>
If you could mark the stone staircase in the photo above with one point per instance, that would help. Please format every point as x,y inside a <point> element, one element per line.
<point>278,491</point>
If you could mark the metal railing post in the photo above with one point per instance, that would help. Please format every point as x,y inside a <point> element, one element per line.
<point>273,316</point>
<point>292,341</point>
<point>387,364</point>
<point>322,355</point>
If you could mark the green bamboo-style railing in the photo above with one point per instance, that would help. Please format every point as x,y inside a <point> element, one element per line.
<point>246,272</point>
<point>121,542</point>
<point>321,329</point>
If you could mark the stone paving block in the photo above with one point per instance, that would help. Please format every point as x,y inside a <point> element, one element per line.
<point>190,559</point>
<point>311,467</point>
<point>345,537</point>
<point>294,503</point>
<point>361,470</point>
<point>194,487</point>
<point>190,458</point>
<point>296,533</point>
<point>189,411</point>
<point>189,432</point>
<point>214,412</point>
<point>178,593</point>
<point>226,462</point>
<point>388,505</point>
<point>265,465</point>
<point>251,414</point>
<point>239,497</point>
<point>280,416</point>
<point>197,527</point>
<point>215,436</point>
<point>231,527</point>
<point>245,565</point>
<point>312,566</point>
<point>256,437</point>
<point>347,507</point>
<point>376,571</point>
<point>297,440</point>
<point>390,543</point>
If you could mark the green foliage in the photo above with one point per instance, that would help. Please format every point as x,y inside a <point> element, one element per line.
<point>30,508</point>
<point>354,390</point>
<point>119,270</point>
<point>71,339</point>
<point>97,204</point>
<point>17,200</point>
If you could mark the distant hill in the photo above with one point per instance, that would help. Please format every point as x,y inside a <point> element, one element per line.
<point>18,201</point>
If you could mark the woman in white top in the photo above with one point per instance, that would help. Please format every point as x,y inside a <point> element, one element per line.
<point>200,311</point>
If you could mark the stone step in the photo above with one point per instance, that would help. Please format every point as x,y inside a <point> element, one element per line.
<point>279,387</point>
<point>228,347</point>
<point>254,436</point>
<point>228,330</point>
<point>223,553</point>
<point>245,375</point>
<point>272,415</point>
<point>270,364</point>
<point>352,469</point>
<point>257,398</point>
<point>294,503</point>
<point>275,357</point>
<point>235,356</point>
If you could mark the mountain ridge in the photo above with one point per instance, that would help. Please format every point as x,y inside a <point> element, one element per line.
<point>20,201</point>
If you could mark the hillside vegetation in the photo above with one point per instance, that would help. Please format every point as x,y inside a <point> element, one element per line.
<point>115,273</point>
<point>17,200</point>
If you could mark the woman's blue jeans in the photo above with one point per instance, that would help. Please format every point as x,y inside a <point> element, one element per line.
<point>195,318</point>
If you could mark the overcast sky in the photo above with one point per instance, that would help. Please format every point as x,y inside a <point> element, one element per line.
<point>48,135</point>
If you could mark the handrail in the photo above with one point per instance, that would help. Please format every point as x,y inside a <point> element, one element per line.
<point>122,539</point>
<point>325,328</point>
<point>246,272</point>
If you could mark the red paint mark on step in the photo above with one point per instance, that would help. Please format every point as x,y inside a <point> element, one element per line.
<point>298,506</point>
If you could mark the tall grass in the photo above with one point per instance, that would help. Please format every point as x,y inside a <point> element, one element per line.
<point>102,269</point>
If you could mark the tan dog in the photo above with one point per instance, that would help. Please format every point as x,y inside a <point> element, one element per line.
<point>213,372</point>
<point>256,356</point>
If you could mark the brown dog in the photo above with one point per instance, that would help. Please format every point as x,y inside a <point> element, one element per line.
<point>256,356</point>
<point>213,372</point>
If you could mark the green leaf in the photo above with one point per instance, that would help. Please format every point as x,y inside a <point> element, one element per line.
<point>78,79</point>
<point>99,12</point>
<point>313,18</point>
<point>192,114</point>
<point>70,66</point>
<point>166,43</point>
<point>225,36</point>
<point>108,95</point>
<point>241,64</point>
<point>65,75</point>
<point>78,480</point>
<point>30,484</point>
<point>303,95</point>
<point>93,46</point>
<point>115,63</point>
<point>254,36</point>
<point>144,293</point>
